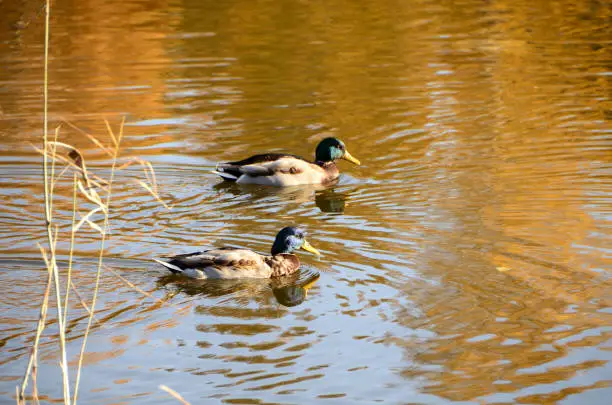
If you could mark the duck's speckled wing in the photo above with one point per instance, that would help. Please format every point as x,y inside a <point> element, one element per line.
<point>262,158</point>
<point>232,170</point>
<point>221,263</point>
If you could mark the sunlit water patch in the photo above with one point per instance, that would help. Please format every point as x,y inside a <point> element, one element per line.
<point>467,259</point>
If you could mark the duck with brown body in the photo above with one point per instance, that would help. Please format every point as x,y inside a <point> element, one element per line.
<point>282,169</point>
<point>228,263</point>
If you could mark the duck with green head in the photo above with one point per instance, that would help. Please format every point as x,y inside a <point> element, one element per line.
<point>226,263</point>
<point>282,169</point>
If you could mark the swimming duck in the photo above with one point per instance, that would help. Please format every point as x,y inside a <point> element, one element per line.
<point>282,169</point>
<point>226,263</point>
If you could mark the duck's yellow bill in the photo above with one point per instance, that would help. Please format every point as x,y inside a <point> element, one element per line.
<point>350,158</point>
<point>308,247</point>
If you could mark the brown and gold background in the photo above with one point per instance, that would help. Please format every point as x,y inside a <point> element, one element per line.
<point>467,260</point>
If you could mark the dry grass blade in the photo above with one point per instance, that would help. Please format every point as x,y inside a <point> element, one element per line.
<point>59,176</point>
<point>48,213</point>
<point>73,231</point>
<point>93,196</point>
<point>98,182</point>
<point>42,319</point>
<point>94,226</point>
<point>149,173</point>
<point>84,219</point>
<point>147,169</point>
<point>153,193</point>
<point>146,294</point>
<point>83,304</point>
<point>121,127</point>
<point>100,256</point>
<point>35,383</point>
<point>52,187</point>
<point>110,131</point>
<point>78,160</point>
<point>60,318</point>
<point>92,138</point>
<point>87,186</point>
<point>174,394</point>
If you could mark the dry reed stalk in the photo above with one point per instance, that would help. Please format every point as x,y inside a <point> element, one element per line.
<point>48,207</point>
<point>88,189</point>
<point>92,138</point>
<point>42,319</point>
<point>52,186</point>
<point>70,254</point>
<point>35,383</point>
<point>83,304</point>
<point>101,255</point>
<point>130,284</point>
<point>175,394</point>
<point>149,173</point>
<point>75,153</point>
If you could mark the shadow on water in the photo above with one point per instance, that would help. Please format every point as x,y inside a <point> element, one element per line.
<point>289,291</point>
<point>325,197</point>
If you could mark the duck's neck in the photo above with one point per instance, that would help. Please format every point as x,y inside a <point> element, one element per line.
<point>331,171</point>
<point>325,164</point>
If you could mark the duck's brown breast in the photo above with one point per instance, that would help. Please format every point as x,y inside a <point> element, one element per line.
<point>331,171</point>
<point>283,264</point>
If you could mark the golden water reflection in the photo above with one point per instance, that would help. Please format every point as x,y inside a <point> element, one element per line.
<point>467,259</point>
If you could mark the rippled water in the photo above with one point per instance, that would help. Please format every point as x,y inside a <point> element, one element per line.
<point>467,259</point>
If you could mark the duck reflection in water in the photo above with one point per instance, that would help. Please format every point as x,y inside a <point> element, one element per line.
<point>289,291</point>
<point>326,198</point>
<point>331,201</point>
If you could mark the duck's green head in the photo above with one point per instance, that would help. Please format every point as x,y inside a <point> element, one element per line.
<point>330,149</point>
<point>290,239</point>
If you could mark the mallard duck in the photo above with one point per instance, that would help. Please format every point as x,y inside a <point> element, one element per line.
<point>226,263</point>
<point>281,169</point>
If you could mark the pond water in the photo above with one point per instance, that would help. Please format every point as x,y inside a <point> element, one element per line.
<point>466,261</point>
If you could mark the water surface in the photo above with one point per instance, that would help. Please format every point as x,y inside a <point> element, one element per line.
<point>466,261</point>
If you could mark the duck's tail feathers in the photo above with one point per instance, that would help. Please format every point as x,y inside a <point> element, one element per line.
<point>225,176</point>
<point>174,269</point>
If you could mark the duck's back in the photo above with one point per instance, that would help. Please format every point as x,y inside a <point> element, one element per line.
<point>223,263</point>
